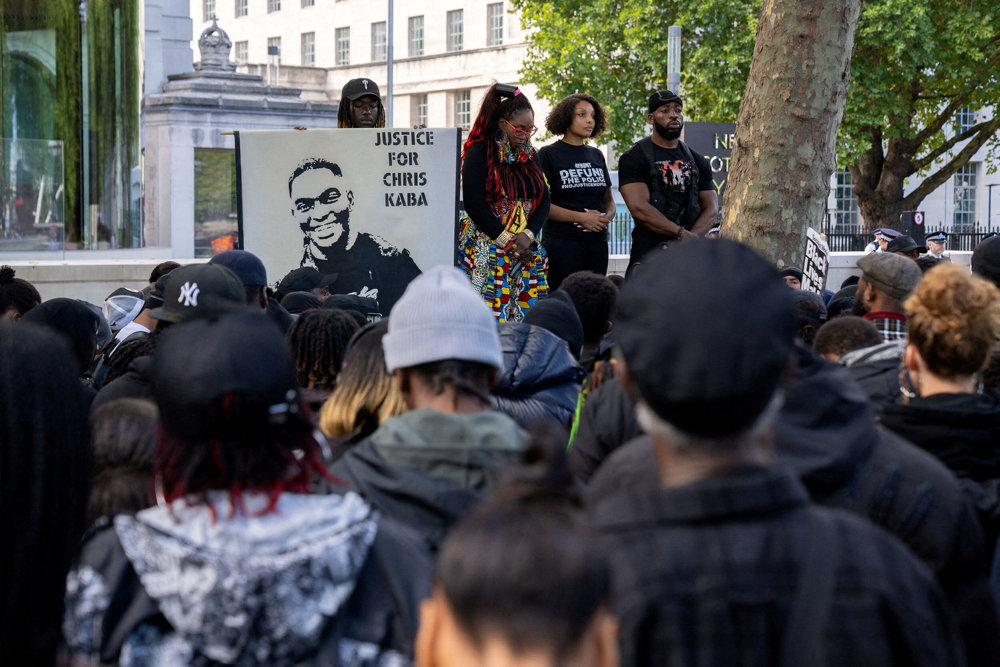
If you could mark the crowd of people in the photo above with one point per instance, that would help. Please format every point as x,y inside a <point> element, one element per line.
<point>525,462</point>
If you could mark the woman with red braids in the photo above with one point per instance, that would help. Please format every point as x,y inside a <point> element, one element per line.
<point>506,201</point>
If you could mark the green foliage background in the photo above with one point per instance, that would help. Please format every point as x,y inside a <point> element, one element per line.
<point>915,62</point>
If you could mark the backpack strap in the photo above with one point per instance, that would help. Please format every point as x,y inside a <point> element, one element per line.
<point>803,643</point>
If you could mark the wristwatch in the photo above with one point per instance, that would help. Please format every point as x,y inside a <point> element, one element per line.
<point>530,234</point>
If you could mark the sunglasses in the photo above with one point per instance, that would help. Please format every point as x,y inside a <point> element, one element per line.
<point>518,132</point>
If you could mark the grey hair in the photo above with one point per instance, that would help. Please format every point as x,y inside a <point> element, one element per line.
<point>680,440</point>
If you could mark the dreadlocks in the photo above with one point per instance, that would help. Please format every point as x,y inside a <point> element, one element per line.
<point>318,339</point>
<point>517,180</point>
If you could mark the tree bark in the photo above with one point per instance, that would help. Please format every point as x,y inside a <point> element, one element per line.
<point>787,125</point>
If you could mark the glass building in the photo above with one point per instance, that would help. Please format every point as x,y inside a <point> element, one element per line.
<point>69,124</point>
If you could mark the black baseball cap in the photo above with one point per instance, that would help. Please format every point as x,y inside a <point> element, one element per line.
<point>304,279</point>
<point>904,243</point>
<point>357,88</point>
<point>707,335</point>
<point>199,362</point>
<point>246,265</point>
<point>198,290</point>
<point>661,97</point>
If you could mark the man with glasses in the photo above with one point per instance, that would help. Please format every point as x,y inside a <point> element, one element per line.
<point>360,105</point>
<point>366,265</point>
<point>667,188</point>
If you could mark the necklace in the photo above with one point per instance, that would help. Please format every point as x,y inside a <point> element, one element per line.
<point>510,154</point>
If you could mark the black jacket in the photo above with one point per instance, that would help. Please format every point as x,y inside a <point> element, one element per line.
<point>826,435</point>
<point>704,574</point>
<point>540,378</point>
<point>962,431</point>
<point>606,421</point>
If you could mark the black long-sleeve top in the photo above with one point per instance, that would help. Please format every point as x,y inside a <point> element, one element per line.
<point>474,194</point>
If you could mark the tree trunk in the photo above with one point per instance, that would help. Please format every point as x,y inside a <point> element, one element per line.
<point>787,125</point>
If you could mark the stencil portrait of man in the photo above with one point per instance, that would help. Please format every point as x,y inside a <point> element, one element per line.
<point>322,199</point>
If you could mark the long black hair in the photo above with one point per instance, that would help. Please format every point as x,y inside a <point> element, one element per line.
<point>44,483</point>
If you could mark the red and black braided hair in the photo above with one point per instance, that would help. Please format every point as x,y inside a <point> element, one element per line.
<point>520,180</point>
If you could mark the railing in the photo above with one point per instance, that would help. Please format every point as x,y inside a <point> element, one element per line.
<point>857,241</point>
<point>620,235</point>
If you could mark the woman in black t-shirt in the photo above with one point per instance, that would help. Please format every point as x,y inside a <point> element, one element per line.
<point>575,234</point>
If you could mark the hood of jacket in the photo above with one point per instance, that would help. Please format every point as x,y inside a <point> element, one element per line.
<point>427,468</point>
<point>539,379</point>
<point>962,430</point>
<point>249,588</point>
<point>825,428</point>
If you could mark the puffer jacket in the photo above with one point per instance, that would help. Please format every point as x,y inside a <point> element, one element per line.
<point>540,378</point>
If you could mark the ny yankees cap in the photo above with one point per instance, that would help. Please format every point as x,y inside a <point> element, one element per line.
<point>198,290</point>
<point>356,88</point>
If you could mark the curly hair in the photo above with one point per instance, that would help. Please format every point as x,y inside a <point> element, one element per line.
<point>954,319</point>
<point>561,117</point>
<point>503,177</point>
<point>16,293</point>
<point>595,298</point>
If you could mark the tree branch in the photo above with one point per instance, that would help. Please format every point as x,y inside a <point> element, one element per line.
<point>941,176</point>
<point>929,159</point>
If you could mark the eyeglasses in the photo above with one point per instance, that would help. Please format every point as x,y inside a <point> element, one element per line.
<point>518,132</point>
<point>359,105</point>
<point>306,204</point>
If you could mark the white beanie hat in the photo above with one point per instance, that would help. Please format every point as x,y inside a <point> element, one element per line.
<point>440,316</point>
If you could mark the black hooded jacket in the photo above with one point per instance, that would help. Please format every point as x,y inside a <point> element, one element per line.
<point>825,434</point>
<point>540,378</point>
<point>962,431</point>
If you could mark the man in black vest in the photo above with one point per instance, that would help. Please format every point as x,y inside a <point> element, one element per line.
<point>667,188</point>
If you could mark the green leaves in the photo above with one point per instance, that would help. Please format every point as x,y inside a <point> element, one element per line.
<point>911,58</point>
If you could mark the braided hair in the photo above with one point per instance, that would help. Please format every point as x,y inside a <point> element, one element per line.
<point>344,114</point>
<point>318,339</point>
<point>520,180</point>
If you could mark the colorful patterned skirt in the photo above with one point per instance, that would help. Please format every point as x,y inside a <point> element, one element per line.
<point>508,287</point>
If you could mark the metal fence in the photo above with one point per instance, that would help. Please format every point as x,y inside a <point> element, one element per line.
<point>620,234</point>
<point>857,241</point>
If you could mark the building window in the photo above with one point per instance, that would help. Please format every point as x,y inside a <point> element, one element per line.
<point>342,39</point>
<point>240,52</point>
<point>274,49</point>
<point>463,109</point>
<point>416,36</point>
<point>308,49</point>
<point>965,197</point>
<point>420,110</point>
<point>964,119</point>
<point>241,8</point>
<point>378,42</point>
<point>308,3</point>
<point>494,24</point>
<point>846,212</point>
<point>273,6</point>
<point>455,30</point>
<point>208,10</point>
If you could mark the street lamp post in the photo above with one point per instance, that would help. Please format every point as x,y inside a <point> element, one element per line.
<point>388,58</point>
<point>989,205</point>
